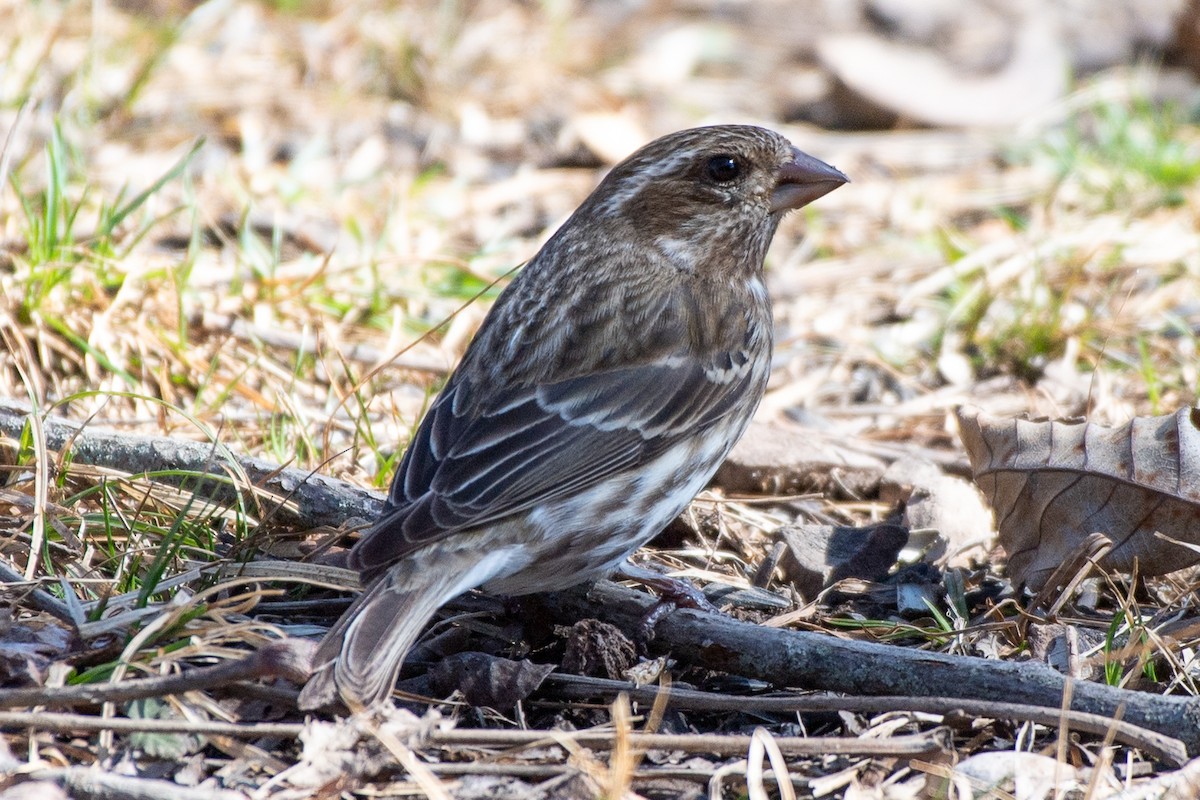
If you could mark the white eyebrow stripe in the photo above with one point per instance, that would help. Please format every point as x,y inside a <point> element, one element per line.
<point>645,172</point>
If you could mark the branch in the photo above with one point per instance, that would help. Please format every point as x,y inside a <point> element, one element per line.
<point>312,500</point>
<point>819,662</point>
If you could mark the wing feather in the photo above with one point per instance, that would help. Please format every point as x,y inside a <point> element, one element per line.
<point>537,443</point>
<point>540,443</point>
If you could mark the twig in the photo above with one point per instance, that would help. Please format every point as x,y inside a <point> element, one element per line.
<point>40,598</point>
<point>814,661</point>
<point>288,658</point>
<point>301,497</point>
<point>86,783</point>
<point>545,771</point>
<point>417,769</point>
<point>1165,748</point>
<point>69,723</point>
<point>925,744</point>
<point>936,741</point>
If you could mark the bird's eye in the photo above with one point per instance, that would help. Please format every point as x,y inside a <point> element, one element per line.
<point>723,168</point>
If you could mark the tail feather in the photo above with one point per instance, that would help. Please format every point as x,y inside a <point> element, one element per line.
<point>321,691</point>
<point>361,655</point>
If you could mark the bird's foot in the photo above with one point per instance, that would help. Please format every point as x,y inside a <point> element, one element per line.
<point>673,593</point>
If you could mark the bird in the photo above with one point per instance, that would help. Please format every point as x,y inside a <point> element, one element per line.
<point>604,387</point>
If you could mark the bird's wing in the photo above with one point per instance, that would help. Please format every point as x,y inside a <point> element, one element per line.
<point>533,444</point>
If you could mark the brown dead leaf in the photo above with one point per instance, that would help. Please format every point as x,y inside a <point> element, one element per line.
<point>1063,647</point>
<point>598,649</point>
<point>1053,483</point>
<point>772,459</point>
<point>29,647</point>
<point>818,556</point>
<point>947,505</point>
<point>487,680</point>
<point>1028,775</point>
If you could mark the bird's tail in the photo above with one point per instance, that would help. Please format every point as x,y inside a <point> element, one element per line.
<point>361,655</point>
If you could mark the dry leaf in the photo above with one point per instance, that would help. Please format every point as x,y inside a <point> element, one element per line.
<point>773,459</point>
<point>1053,483</point>
<point>1026,775</point>
<point>598,649</point>
<point>487,680</point>
<point>818,556</point>
<point>1063,647</point>
<point>946,504</point>
<point>348,749</point>
<point>34,790</point>
<point>29,647</point>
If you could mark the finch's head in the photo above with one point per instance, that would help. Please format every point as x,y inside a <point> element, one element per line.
<point>711,187</point>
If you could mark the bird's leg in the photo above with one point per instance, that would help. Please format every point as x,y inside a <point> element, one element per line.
<point>682,592</point>
<point>673,593</point>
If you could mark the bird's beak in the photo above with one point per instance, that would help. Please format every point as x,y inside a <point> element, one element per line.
<point>802,180</point>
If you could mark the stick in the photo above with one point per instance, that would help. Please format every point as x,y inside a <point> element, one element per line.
<point>1164,748</point>
<point>289,658</point>
<point>819,662</point>
<point>86,783</point>
<point>927,744</point>
<point>312,500</point>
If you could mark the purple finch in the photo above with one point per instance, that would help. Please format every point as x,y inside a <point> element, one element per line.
<point>600,394</point>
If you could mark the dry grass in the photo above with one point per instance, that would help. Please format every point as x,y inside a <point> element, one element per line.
<point>276,226</point>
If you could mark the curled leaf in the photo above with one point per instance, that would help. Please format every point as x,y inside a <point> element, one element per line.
<point>1053,483</point>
